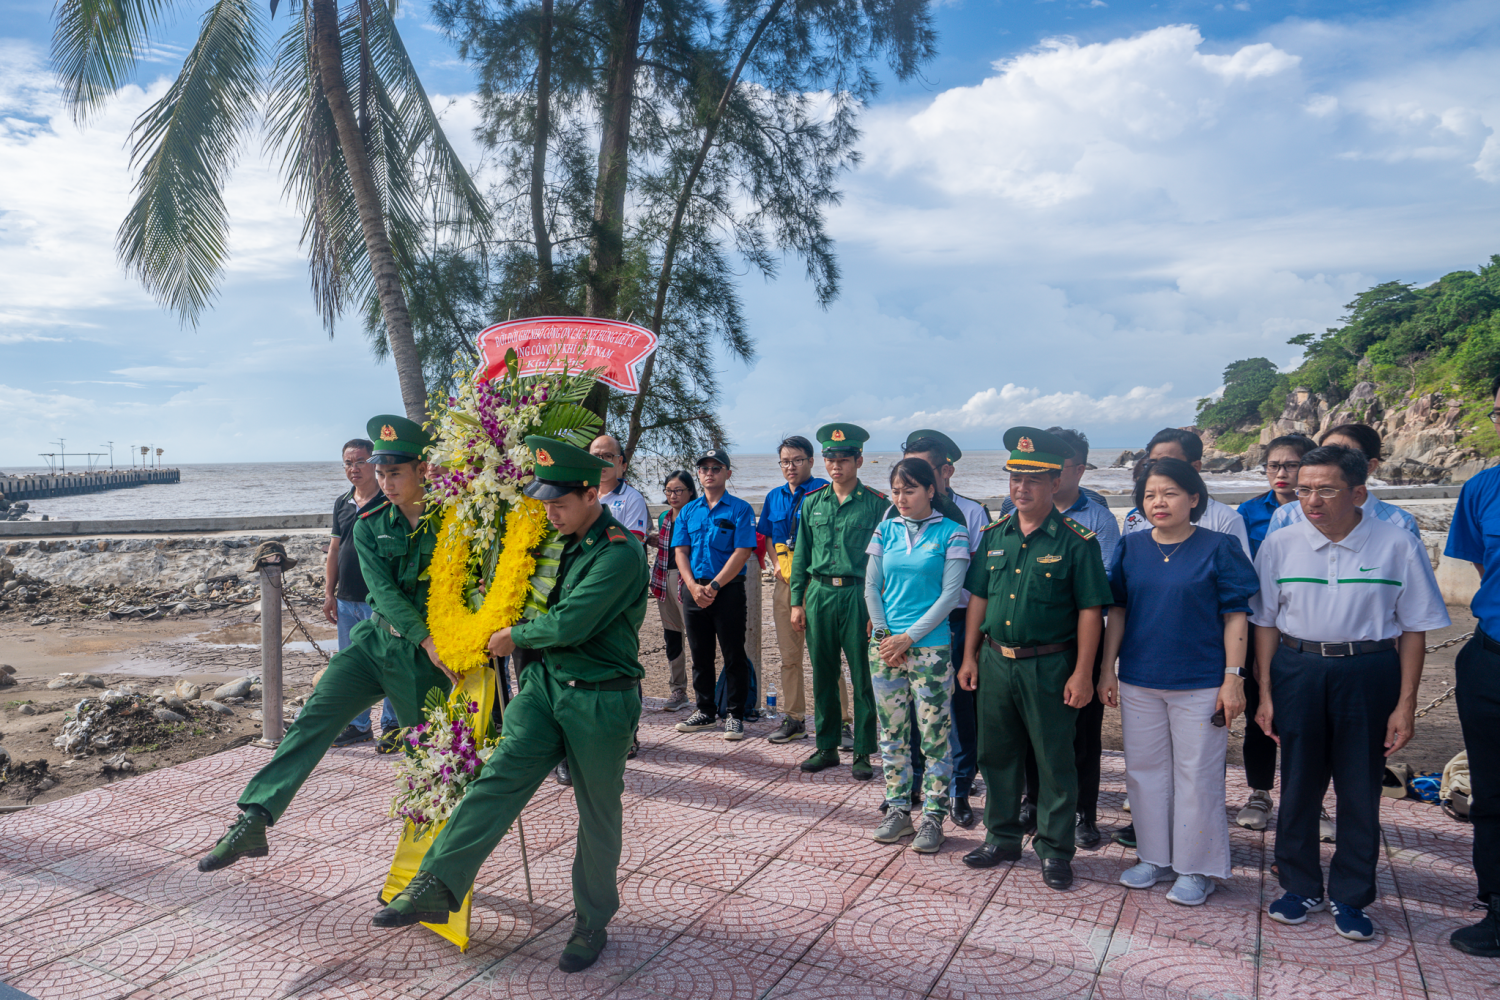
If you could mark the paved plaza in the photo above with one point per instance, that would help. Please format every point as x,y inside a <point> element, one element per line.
<point>742,878</point>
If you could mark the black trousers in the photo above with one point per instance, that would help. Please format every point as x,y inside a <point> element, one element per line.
<point>1331,715</point>
<point>1259,749</point>
<point>1478,670</point>
<point>1088,746</point>
<point>721,624</point>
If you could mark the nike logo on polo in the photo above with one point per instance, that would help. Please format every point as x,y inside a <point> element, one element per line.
<point>1367,569</point>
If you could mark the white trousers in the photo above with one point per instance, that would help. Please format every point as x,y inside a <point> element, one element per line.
<point>1174,774</point>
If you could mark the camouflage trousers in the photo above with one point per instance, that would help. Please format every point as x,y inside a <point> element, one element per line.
<point>923,681</point>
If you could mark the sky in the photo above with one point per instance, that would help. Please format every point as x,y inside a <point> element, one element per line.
<point>1079,214</point>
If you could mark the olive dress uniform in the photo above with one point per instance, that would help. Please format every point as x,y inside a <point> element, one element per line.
<point>582,700</point>
<point>1034,585</point>
<point>384,657</point>
<point>828,575</point>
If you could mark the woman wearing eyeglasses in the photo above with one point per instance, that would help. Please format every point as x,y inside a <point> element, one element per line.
<point>678,489</point>
<point>1179,629</point>
<point>1283,459</point>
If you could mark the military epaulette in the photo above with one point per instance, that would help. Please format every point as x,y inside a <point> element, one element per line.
<point>615,533</point>
<point>1082,532</point>
<point>385,505</point>
<point>998,520</point>
<point>877,493</point>
<point>816,489</point>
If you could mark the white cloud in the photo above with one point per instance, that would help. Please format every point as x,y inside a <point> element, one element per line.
<point>993,410</point>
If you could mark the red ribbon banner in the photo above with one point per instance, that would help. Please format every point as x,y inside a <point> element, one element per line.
<point>576,343</point>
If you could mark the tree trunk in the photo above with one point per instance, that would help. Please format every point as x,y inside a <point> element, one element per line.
<point>674,233</point>
<point>327,51</point>
<point>545,285</point>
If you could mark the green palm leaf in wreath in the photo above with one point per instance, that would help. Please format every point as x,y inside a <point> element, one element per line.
<point>548,561</point>
<point>570,422</point>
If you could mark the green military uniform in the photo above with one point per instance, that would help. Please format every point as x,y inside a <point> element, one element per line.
<point>384,657</point>
<point>828,582</point>
<point>582,701</point>
<point>1034,585</point>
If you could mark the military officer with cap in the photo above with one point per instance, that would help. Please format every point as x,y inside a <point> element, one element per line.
<point>827,594</point>
<point>391,655</point>
<point>581,700</point>
<point>1036,611</point>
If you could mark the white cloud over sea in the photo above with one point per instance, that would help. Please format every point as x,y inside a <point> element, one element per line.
<point>1085,234</point>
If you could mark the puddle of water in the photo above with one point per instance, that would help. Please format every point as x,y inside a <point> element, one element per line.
<point>248,634</point>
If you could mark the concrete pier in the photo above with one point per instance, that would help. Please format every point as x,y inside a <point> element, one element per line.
<point>37,487</point>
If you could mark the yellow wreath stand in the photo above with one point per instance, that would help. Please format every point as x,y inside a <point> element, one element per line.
<point>462,638</point>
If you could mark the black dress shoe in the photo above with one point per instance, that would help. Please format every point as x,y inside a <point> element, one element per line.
<point>963,813</point>
<point>989,855</point>
<point>635,749</point>
<point>1086,833</point>
<point>1028,819</point>
<point>561,774</point>
<point>1057,873</point>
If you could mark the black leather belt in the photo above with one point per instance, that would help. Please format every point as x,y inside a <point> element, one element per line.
<point>1489,643</point>
<point>1338,648</point>
<point>1027,652</point>
<point>838,581</point>
<point>614,684</point>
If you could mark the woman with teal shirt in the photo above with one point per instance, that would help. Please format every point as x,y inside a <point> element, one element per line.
<point>914,578</point>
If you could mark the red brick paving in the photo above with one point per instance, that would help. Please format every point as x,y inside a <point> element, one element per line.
<point>742,879</point>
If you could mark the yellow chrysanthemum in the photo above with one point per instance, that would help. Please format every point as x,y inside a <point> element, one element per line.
<point>462,636</point>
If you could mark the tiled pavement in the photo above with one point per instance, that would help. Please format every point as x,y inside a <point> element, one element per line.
<point>742,879</point>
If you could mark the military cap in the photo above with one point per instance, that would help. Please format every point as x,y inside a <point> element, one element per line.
<point>1034,450</point>
<point>949,451</point>
<point>843,437</point>
<point>561,468</point>
<point>714,455</point>
<point>396,440</point>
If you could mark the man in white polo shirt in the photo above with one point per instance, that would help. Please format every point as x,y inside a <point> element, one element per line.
<point>623,501</point>
<point>1345,603</point>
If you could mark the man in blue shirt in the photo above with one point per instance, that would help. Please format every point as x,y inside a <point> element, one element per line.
<point>1475,537</point>
<point>778,524</point>
<point>713,537</point>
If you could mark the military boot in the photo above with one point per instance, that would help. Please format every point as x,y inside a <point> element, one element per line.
<point>582,949</point>
<point>425,900</point>
<point>246,838</point>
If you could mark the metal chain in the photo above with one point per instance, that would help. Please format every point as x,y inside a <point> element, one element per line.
<point>297,624</point>
<point>1448,693</point>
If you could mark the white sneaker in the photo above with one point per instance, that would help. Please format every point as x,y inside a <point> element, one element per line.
<point>1326,830</point>
<point>1144,875</point>
<point>1257,812</point>
<point>1191,890</point>
<point>1126,804</point>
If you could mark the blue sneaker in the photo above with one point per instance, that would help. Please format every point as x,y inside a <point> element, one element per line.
<point>1351,922</point>
<point>1293,909</point>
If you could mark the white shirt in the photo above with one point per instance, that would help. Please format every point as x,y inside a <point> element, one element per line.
<point>978,519</point>
<point>1291,513</point>
<point>1374,584</point>
<point>628,507</point>
<point>1216,517</point>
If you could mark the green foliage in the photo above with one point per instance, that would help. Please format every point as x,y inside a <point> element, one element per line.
<point>1247,384</point>
<point>435,700</point>
<point>1233,441</point>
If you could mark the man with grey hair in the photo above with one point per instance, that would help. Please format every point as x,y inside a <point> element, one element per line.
<point>623,501</point>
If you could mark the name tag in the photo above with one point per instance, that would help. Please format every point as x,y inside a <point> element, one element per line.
<point>995,552</point>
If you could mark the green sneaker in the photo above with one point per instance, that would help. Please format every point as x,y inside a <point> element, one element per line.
<point>821,760</point>
<point>861,770</point>
<point>582,949</point>
<point>425,900</point>
<point>246,839</point>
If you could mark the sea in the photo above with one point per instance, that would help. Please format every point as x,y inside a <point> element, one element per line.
<point>238,489</point>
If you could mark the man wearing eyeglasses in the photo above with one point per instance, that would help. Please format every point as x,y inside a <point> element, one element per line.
<point>344,590</point>
<point>623,501</point>
<point>1346,600</point>
<point>778,525</point>
<point>1475,537</point>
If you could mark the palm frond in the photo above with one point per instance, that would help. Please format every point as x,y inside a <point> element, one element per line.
<point>95,45</point>
<point>176,234</point>
<point>570,422</point>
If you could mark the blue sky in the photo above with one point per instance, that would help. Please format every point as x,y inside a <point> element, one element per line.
<point>1080,214</point>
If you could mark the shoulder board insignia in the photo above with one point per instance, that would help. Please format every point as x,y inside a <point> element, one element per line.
<point>376,510</point>
<point>617,534</point>
<point>877,493</point>
<point>816,489</point>
<point>998,521</point>
<point>1081,531</point>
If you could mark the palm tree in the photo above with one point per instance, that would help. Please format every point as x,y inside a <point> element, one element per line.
<point>369,166</point>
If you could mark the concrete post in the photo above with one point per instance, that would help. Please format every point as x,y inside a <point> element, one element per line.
<point>272,727</point>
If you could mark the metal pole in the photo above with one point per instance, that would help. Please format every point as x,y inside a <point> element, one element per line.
<point>753,631</point>
<point>271,727</point>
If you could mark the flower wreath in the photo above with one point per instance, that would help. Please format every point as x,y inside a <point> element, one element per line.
<point>462,635</point>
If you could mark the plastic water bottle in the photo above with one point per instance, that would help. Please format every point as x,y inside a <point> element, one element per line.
<point>771,701</point>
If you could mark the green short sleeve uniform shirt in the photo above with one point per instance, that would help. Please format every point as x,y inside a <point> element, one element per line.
<point>832,536</point>
<point>393,560</point>
<point>1037,584</point>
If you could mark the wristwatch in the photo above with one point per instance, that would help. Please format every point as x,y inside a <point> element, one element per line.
<point>880,633</point>
<point>713,585</point>
<point>1235,672</point>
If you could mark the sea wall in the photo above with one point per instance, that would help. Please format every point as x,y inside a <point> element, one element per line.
<point>155,563</point>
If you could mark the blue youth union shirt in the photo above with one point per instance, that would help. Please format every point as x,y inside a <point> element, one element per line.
<point>1474,537</point>
<point>783,506</point>
<point>713,534</point>
<point>1257,512</point>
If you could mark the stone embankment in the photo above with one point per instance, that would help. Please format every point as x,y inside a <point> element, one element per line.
<point>161,564</point>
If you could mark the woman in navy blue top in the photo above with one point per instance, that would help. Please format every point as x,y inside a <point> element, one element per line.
<point>1179,627</point>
